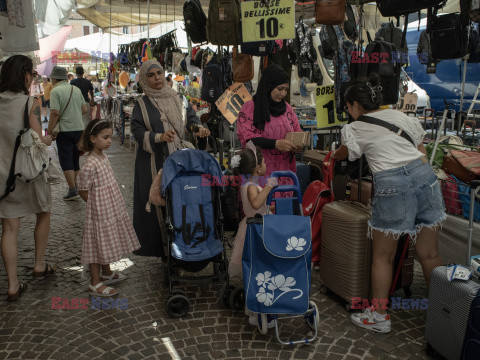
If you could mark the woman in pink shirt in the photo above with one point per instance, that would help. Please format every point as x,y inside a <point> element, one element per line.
<point>268,118</point>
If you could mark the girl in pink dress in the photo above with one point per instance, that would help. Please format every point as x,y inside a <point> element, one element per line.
<point>251,165</point>
<point>108,234</point>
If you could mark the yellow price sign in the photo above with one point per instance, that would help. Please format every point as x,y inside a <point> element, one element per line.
<point>325,104</point>
<point>232,100</point>
<point>268,20</point>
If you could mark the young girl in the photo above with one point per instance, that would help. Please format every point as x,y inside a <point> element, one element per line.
<point>108,234</point>
<point>250,164</point>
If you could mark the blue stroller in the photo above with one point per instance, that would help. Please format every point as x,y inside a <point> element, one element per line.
<point>194,219</point>
<point>277,262</point>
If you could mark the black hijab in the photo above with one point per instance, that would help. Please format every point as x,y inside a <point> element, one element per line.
<point>272,77</point>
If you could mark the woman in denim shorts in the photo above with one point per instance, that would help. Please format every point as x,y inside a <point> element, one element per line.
<point>407,199</point>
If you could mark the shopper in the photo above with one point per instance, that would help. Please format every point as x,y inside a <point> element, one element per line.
<point>86,88</point>
<point>164,110</point>
<point>108,234</point>
<point>66,107</point>
<point>47,87</point>
<point>16,76</point>
<point>36,89</point>
<point>250,164</point>
<point>268,118</point>
<point>407,198</point>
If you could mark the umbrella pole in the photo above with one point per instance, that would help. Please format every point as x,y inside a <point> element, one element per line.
<point>463,83</point>
<point>148,20</point>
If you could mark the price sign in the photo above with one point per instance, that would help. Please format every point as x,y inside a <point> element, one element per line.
<point>268,20</point>
<point>232,100</point>
<point>408,102</point>
<point>325,103</point>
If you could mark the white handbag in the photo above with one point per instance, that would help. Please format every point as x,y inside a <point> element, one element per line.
<point>33,158</point>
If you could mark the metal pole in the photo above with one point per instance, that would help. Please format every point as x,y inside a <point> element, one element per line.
<point>148,20</point>
<point>463,82</point>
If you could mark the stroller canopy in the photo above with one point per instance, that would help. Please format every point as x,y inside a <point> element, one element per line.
<point>188,161</point>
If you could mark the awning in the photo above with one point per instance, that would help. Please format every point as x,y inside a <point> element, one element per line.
<point>131,12</point>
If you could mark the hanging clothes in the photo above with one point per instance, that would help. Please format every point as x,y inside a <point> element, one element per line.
<point>22,36</point>
<point>15,12</point>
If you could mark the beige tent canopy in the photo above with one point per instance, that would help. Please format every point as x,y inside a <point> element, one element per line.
<point>135,12</point>
<point>132,12</point>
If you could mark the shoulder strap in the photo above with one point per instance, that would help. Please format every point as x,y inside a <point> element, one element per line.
<point>10,186</point>
<point>68,103</point>
<point>387,125</point>
<point>143,108</point>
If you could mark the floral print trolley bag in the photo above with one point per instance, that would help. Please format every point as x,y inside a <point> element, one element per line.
<point>277,262</point>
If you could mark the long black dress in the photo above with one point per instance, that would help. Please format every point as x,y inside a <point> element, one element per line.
<point>148,226</point>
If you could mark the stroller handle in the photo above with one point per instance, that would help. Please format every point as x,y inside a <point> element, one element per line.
<point>286,188</point>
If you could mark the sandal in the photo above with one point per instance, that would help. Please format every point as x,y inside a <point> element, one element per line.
<point>111,279</point>
<point>105,293</point>
<point>21,289</point>
<point>49,269</point>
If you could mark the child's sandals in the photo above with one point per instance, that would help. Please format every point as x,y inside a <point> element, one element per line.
<point>112,279</point>
<point>107,292</point>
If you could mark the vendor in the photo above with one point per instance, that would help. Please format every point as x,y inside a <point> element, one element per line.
<point>268,118</point>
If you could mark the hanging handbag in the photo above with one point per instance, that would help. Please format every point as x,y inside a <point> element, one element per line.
<point>30,157</point>
<point>56,129</point>
<point>242,64</point>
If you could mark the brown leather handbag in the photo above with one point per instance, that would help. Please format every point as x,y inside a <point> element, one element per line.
<point>242,66</point>
<point>330,12</point>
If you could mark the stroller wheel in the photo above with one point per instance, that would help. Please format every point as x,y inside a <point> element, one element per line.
<point>175,292</point>
<point>178,306</point>
<point>312,316</point>
<point>225,296</point>
<point>262,323</point>
<point>237,298</point>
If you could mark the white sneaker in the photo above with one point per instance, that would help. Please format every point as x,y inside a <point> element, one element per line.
<point>370,319</point>
<point>253,320</point>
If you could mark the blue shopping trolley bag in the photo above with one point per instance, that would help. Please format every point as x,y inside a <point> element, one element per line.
<point>277,264</point>
<point>277,259</point>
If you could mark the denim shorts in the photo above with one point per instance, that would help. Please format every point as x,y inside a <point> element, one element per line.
<point>407,199</point>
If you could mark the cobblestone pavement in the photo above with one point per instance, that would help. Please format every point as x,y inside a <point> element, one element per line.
<point>30,329</point>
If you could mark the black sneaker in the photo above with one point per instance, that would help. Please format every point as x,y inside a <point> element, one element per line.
<point>45,120</point>
<point>72,195</point>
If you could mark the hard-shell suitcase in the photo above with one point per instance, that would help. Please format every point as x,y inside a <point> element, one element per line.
<point>450,307</point>
<point>345,264</point>
<point>448,311</point>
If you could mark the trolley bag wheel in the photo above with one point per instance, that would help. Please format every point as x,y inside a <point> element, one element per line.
<point>178,306</point>
<point>262,323</point>
<point>312,316</point>
<point>225,295</point>
<point>237,298</point>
